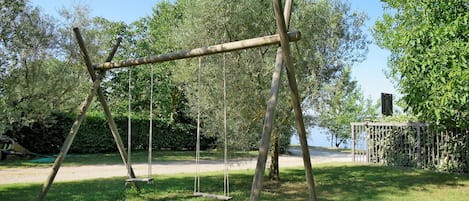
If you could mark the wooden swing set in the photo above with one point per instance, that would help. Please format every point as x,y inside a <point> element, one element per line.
<point>97,73</point>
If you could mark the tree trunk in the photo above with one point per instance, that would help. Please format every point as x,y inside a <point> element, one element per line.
<point>336,144</point>
<point>274,174</point>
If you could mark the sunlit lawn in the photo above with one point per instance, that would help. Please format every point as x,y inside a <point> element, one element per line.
<point>334,182</point>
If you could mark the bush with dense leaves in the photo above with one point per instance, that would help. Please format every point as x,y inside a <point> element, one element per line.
<point>94,135</point>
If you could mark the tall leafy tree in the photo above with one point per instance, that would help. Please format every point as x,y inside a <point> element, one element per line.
<point>248,72</point>
<point>34,83</point>
<point>342,102</point>
<point>428,41</point>
<point>332,39</point>
<point>150,36</point>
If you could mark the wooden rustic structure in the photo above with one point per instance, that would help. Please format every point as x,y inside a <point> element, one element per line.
<point>416,145</point>
<point>282,59</point>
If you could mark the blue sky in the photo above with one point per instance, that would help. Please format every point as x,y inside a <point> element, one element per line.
<point>369,74</point>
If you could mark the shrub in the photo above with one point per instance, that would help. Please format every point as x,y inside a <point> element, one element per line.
<point>94,135</point>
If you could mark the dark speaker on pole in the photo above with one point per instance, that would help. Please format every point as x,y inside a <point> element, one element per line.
<point>386,104</point>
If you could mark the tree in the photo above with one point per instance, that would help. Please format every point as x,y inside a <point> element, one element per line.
<point>341,103</point>
<point>428,41</point>
<point>34,81</point>
<point>248,72</point>
<point>150,35</point>
<point>333,38</point>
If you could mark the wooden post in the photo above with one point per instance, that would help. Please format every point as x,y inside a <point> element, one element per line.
<point>269,118</point>
<point>267,129</point>
<point>419,147</point>
<point>215,49</point>
<point>367,143</point>
<point>295,98</point>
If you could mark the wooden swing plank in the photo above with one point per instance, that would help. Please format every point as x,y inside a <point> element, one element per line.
<point>208,195</point>
<point>215,49</point>
<point>148,180</point>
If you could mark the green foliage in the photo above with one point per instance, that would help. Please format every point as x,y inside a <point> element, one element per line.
<point>332,39</point>
<point>428,41</point>
<point>175,26</point>
<point>401,118</point>
<point>33,82</point>
<point>203,23</point>
<point>340,103</point>
<point>95,136</point>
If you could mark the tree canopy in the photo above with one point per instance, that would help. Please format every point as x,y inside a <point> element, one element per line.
<point>332,39</point>
<point>429,44</point>
<point>340,103</point>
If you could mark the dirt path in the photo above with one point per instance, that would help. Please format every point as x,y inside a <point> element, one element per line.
<point>74,173</point>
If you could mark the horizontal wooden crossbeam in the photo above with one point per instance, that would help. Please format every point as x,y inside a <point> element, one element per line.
<point>215,49</point>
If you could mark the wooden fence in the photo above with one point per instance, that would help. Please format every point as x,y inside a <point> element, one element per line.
<point>412,145</point>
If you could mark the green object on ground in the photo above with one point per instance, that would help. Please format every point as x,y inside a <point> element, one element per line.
<point>43,160</point>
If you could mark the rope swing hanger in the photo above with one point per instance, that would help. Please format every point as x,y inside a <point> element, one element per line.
<point>149,178</point>
<point>226,183</point>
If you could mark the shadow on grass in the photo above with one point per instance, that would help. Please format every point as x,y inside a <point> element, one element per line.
<point>346,182</point>
<point>363,182</point>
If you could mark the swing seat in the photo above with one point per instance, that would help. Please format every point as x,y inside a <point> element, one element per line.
<point>148,180</point>
<point>207,195</point>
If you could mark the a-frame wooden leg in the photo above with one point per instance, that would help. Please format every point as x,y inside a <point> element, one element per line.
<point>70,137</point>
<point>256,187</point>
<point>103,101</point>
<point>267,129</point>
<point>295,98</point>
<point>80,117</point>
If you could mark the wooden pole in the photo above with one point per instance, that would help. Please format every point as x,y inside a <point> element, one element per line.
<point>215,49</point>
<point>353,141</point>
<point>295,98</point>
<point>102,99</point>
<point>68,141</point>
<point>267,129</point>
<point>256,187</point>
<point>419,147</point>
<point>76,125</point>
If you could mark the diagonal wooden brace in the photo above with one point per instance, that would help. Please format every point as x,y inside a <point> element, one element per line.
<point>102,99</point>
<point>80,117</point>
<point>282,28</point>
<point>70,137</point>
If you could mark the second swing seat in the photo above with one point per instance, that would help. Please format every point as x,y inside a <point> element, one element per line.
<point>148,180</point>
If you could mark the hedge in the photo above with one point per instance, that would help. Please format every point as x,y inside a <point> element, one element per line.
<point>95,136</point>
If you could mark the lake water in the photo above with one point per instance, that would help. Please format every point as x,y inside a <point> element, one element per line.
<point>316,137</point>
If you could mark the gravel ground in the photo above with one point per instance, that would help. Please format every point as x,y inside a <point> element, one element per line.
<point>75,173</point>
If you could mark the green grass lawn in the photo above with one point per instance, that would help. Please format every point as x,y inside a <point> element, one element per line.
<point>334,182</point>
<point>137,157</point>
